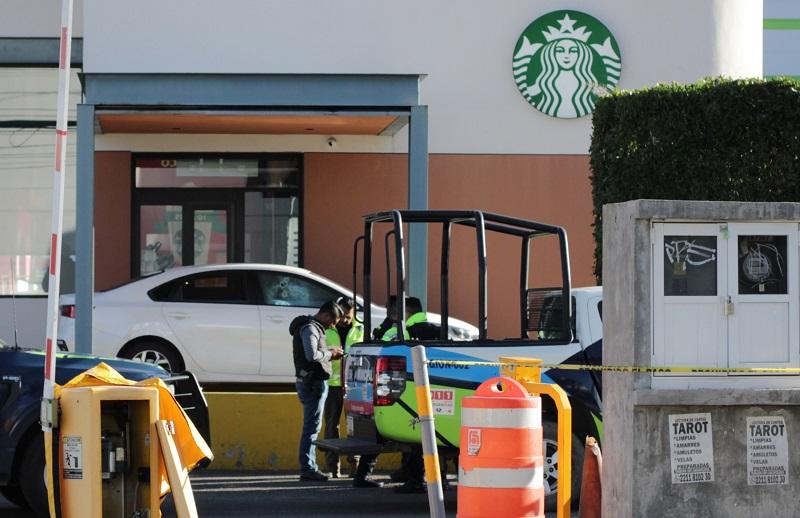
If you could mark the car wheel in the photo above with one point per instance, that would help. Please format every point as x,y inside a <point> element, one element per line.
<point>14,495</point>
<point>551,465</point>
<point>32,475</point>
<point>156,353</point>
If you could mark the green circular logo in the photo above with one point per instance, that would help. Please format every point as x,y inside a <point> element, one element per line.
<point>564,61</point>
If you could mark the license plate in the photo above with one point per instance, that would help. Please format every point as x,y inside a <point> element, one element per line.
<point>349,424</point>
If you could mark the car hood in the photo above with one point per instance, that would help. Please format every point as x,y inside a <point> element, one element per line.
<point>14,361</point>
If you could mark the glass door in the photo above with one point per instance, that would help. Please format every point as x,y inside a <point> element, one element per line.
<point>182,234</point>
<point>160,232</point>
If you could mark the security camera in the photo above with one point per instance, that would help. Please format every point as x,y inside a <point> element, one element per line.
<point>331,142</point>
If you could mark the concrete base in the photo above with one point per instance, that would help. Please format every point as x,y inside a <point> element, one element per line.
<point>637,479</point>
<point>728,496</point>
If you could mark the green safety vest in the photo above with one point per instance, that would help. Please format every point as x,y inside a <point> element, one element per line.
<point>354,335</point>
<point>416,318</point>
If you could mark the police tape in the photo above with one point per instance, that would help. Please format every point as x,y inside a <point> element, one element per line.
<point>433,364</point>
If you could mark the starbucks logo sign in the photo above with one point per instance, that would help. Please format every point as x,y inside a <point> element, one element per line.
<point>564,61</point>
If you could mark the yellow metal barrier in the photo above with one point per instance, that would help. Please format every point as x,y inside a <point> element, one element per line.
<point>528,372</point>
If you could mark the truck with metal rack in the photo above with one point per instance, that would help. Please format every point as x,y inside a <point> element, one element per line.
<point>380,401</point>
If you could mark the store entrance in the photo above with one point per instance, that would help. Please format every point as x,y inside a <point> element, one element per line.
<point>192,210</point>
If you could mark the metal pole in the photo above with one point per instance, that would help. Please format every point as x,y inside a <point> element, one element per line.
<point>483,286</point>
<point>430,453</point>
<point>400,266</point>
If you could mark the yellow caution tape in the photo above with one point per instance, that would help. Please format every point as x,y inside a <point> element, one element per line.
<point>622,368</point>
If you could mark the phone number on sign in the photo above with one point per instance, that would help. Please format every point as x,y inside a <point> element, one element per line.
<point>694,477</point>
<point>768,479</point>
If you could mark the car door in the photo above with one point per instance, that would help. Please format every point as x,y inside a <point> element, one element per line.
<point>285,296</point>
<point>212,315</point>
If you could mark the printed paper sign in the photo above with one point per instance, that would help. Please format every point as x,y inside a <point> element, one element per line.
<point>767,451</point>
<point>691,448</point>
<point>443,401</point>
<point>73,457</point>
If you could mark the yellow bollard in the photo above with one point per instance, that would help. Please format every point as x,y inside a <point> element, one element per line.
<point>528,372</point>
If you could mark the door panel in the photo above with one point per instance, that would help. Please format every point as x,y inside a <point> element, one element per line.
<point>764,294</point>
<point>690,280</point>
<point>689,341</point>
<point>214,322</point>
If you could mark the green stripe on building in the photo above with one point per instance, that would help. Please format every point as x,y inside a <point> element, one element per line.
<point>782,24</point>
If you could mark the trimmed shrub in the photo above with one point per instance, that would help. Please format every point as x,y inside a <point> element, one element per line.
<point>719,139</point>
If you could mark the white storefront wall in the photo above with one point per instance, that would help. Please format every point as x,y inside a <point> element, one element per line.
<point>463,49</point>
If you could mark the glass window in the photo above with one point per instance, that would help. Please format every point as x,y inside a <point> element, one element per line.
<point>762,265</point>
<point>271,228</point>
<point>210,236</point>
<point>27,145</point>
<point>159,237</point>
<point>546,314</point>
<point>218,172</point>
<point>166,291</point>
<point>282,289</point>
<point>226,287</point>
<point>690,265</point>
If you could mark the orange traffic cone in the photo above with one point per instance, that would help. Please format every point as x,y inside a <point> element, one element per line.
<point>590,482</point>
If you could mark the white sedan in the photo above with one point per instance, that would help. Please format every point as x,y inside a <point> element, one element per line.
<point>225,323</point>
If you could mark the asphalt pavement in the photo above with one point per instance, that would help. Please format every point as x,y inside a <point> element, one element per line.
<point>226,494</point>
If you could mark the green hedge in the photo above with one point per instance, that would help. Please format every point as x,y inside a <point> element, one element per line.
<point>714,140</point>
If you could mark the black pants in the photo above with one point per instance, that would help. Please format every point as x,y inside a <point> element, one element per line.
<point>333,415</point>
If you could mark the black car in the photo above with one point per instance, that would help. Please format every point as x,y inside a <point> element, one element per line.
<point>21,440</point>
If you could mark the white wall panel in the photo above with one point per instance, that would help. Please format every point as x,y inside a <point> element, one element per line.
<point>463,48</point>
<point>37,18</point>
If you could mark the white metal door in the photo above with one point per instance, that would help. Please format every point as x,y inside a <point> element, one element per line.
<point>689,287</point>
<point>763,291</point>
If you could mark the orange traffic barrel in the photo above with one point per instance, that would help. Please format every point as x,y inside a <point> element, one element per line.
<point>500,463</point>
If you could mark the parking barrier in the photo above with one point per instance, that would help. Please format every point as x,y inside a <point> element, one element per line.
<point>430,453</point>
<point>501,463</point>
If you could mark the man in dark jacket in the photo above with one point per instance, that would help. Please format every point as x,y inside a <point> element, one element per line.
<point>312,366</point>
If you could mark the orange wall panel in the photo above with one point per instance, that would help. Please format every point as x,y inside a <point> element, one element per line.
<point>112,218</point>
<point>554,189</point>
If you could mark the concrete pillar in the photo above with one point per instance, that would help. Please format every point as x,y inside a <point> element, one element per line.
<point>84,230</point>
<point>418,200</point>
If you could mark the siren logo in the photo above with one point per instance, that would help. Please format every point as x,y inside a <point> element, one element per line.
<point>564,61</point>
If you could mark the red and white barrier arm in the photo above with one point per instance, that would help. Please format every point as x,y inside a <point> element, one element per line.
<point>48,408</point>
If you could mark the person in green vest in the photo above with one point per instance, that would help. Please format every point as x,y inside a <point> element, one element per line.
<point>347,332</point>
<point>418,328</point>
<point>417,325</point>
